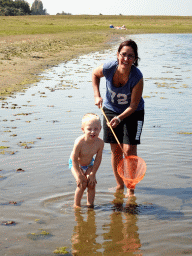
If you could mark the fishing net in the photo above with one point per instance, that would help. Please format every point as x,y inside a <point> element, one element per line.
<point>132,170</point>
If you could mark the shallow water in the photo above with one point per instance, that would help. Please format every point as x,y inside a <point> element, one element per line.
<point>47,117</point>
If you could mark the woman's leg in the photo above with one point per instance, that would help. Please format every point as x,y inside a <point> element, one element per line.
<point>130,150</point>
<point>116,156</point>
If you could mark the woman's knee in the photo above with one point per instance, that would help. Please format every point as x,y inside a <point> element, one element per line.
<point>131,150</point>
<point>116,152</point>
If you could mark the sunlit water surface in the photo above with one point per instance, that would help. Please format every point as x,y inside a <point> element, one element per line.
<point>47,119</point>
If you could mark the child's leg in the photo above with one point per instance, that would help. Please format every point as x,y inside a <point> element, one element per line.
<point>91,194</point>
<point>78,196</point>
<point>90,187</point>
<point>79,190</point>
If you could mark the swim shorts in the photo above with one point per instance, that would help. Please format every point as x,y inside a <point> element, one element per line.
<point>84,167</point>
<point>128,131</point>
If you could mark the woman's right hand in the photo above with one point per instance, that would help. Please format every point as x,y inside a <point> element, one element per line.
<point>98,101</point>
<point>96,76</point>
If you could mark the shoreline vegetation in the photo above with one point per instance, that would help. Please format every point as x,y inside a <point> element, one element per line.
<point>31,44</point>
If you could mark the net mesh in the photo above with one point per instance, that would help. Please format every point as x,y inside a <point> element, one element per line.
<point>132,170</point>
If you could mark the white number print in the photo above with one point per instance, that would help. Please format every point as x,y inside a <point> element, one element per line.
<point>113,94</point>
<point>122,99</point>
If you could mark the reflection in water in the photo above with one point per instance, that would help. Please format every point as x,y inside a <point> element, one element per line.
<point>122,237</point>
<point>84,235</point>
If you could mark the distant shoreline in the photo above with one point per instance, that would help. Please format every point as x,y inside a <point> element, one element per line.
<point>31,44</point>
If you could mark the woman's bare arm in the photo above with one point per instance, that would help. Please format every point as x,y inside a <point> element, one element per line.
<point>96,76</point>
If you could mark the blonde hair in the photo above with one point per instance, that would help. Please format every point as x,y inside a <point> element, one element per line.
<point>90,116</point>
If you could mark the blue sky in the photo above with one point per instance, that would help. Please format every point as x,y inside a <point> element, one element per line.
<point>116,7</point>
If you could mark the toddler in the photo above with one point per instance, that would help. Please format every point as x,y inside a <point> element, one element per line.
<point>82,163</point>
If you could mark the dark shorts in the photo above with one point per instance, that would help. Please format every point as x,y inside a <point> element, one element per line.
<point>128,131</point>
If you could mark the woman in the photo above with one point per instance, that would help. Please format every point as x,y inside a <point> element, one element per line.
<point>123,103</point>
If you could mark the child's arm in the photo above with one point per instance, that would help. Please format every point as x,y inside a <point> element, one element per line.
<point>79,175</point>
<point>91,174</point>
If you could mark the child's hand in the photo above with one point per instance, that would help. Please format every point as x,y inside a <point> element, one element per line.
<point>88,171</point>
<point>90,176</point>
<point>81,180</point>
<point>91,179</point>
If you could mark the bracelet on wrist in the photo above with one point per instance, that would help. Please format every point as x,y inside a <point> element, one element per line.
<point>118,119</point>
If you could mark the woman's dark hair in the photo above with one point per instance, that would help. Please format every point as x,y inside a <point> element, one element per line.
<point>133,45</point>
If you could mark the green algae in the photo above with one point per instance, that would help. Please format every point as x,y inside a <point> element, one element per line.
<point>3,147</point>
<point>7,152</point>
<point>61,250</point>
<point>146,97</point>
<point>185,133</point>
<point>22,114</point>
<point>43,234</point>
<point>3,152</point>
<point>25,144</point>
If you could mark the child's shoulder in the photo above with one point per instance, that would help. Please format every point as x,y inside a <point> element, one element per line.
<point>100,142</point>
<point>80,139</point>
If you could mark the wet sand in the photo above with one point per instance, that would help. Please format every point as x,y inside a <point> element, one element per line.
<point>17,71</point>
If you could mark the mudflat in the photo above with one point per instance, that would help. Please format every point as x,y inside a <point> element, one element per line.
<point>31,44</point>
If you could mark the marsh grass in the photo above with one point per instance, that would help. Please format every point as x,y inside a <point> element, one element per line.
<point>30,44</point>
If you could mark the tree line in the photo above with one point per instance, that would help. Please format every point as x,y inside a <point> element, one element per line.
<point>21,7</point>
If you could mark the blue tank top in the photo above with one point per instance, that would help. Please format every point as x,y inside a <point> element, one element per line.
<point>118,99</point>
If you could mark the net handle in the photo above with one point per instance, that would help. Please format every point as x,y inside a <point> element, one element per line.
<point>112,131</point>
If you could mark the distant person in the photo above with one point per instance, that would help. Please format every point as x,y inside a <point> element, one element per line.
<point>123,103</point>
<point>123,27</point>
<point>82,163</point>
<point>118,27</point>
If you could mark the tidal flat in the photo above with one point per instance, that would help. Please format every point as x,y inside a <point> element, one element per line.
<point>37,214</point>
<point>31,44</point>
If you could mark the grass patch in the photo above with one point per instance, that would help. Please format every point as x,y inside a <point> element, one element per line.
<point>53,24</point>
